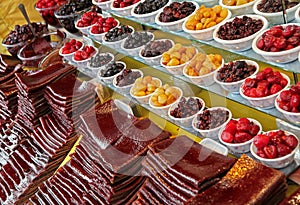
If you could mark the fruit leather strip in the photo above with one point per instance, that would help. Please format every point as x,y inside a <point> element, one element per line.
<point>11,173</point>
<point>11,74</point>
<point>194,163</point>
<point>145,193</point>
<point>92,198</point>
<point>8,90</point>
<point>247,182</point>
<point>277,195</point>
<point>4,190</point>
<point>9,61</point>
<point>42,190</point>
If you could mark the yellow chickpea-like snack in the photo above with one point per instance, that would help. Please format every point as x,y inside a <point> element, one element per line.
<point>178,55</point>
<point>145,86</point>
<point>203,64</point>
<point>165,95</point>
<point>206,17</point>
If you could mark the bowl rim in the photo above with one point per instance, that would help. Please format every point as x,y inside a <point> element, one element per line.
<point>110,77</point>
<point>241,40</point>
<point>140,47</point>
<point>119,41</point>
<point>237,7</point>
<point>269,53</point>
<point>149,95</point>
<point>69,54</point>
<point>265,97</point>
<point>126,86</point>
<point>297,14</point>
<point>206,29</point>
<point>216,128</point>
<point>272,14</point>
<point>166,106</point>
<point>280,109</point>
<point>102,3</point>
<point>101,34</point>
<point>122,9</point>
<point>100,54</point>
<point>86,60</point>
<point>252,147</point>
<point>173,106</point>
<point>86,27</point>
<point>256,122</point>
<point>155,57</point>
<point>252,62</point>
<point>48,8</point>
<point>147,14</point>
<point>158,22</point>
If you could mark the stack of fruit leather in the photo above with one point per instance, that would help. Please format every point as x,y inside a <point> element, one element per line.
<point>68,98</point>
<point>247,182</point>
<point>178,169</point>
<point>32,103</point>
<point>106,166</point>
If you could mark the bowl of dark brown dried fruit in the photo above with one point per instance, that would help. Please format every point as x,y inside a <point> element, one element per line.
<point>183,111</point>
<point>245,27</point>
<point>125,80</point>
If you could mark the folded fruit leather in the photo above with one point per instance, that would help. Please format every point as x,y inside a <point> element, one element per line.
<point>247,182</point>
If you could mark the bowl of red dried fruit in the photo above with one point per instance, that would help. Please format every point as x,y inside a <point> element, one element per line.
<point>209,122</point>
<point>232,74</point>
<point>103,4</point>
<point>273,11</point>
<point>69,48</point>
<point>86,21</point>
<point>102,26</point>
<point>262,89</point>
<point>173,15</point>
<point>123,7</point>
<point>183,111</point>
<point>275,148</point>
<point>288,103</point>
<point>82,56</point>
<point>238,134</point>
<point>246,28</point>
<point>280,44</point>
<point>125,80</point>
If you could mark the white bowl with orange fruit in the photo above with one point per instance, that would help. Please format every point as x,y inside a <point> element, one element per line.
<point>164,97</point>
<point>203,22</point>
<point>177,57</point>
<point>200,70</point>
<point>144,87</point>
<point>238,7</point>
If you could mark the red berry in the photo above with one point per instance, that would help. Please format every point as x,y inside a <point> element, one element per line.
<point>261,140</point>
<point>241,137</point>
<point>295,101</point>
<point>244,120</point>
<point>231,127</point>
<point>243,126</point>
<point>291,141</point>
<point>254,130</point>
<point>275,89</point>
<point>260,44</point>
<point>227,137</point>
<point>283,150</point>
<point>270,151</point>
<point>285,95</point>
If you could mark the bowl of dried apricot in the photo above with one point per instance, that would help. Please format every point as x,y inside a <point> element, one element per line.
<point>238,7</point>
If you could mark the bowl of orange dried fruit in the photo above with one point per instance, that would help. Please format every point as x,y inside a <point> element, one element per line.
<point>238,7</point>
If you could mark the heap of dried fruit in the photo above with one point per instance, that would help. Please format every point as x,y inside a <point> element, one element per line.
<point>178,55</point>
<point>145,86</point>
<point>165,95</point>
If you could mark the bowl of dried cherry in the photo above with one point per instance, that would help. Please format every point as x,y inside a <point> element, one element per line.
<point>237,135</point>
<point>280,44</point>
<point>69,48</point>
<point>125,80</point>
<point>123,7</point>
<point>183,111</point>
<point>209,122</point>
<point>273,11</point>
<point>110,70</point>
<point>81,57</point>
<point>232,74</point>
<point>245,27</point>
<point>102,26</point>
<point>86,21</point>
<point>103,4</point>
<point>275,148</point>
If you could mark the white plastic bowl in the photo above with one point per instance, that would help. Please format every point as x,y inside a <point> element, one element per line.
<point>276,17</point>
<point>211,133</point>
<point>125,89</point>
<point>115,44</point>
<point>69,56</point>
<point>175,25</point>
<point>99,36</point>
<point>148,17</point>
<point>96,69</point>
<point>144,99</point>
<point>234,87</point>
<point>207,3</point>
<point>203,34</point>
<point>266,102</point>
<point>297,15</point>
<point>241,44</point>
<point>103,5</point>
<point>135,51</point>
<point>84,30</point>
<point>163,110</point>
<point>276,163</point>
<point>206,80</point>
<point>110,79</point>
<point>83,63</point>
<point>185,121</point>
<point>239,10</point>
<point>126,11</point>
<point>156,59</point>
<point>240,147</point>
<point>214,146</point>
<point>278,57</point>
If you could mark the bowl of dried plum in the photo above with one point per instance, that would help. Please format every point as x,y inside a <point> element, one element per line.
<point>110,71</point>
<point>280,44</point>
<point>115,36</point>
<point>273,10</point>
<point>125,80</point>
<point>245,27</point>
<point>146,10</point>
<point>173,15</point>
<point>152,51</point>
<point>183,111</point>
<point>136,41</point>
<point>231,75</point>
<point>99,61</point>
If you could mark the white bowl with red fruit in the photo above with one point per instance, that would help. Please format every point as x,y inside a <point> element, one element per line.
<point>123,7</point>
<point>275,148</point>
<point>209,122</point>
<point>102,26</point>
<point>262,89</point>
<point>69,48</point>
<point>183,111</point>
<point>86,21</point>
<point>82,56</point>
<point>280,44</point>
<point>103,4</point>
<point>232,74</point>
<point>238,134</point>
<point>288,103</point>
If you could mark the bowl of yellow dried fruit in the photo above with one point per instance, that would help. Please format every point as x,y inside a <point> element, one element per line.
<point>238,7</point>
